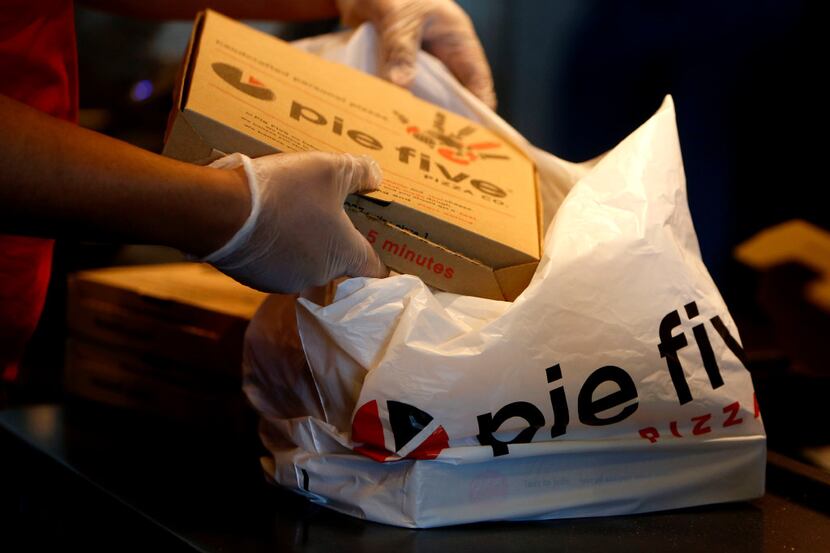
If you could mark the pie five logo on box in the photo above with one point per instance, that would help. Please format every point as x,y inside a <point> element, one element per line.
<point>243,81</point>
<point>395,431</point>
<point>452,146</point>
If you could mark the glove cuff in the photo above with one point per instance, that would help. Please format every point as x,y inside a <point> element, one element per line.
<point>233,161</point>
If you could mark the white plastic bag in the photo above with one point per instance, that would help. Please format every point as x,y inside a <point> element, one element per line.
<point>614,384</point>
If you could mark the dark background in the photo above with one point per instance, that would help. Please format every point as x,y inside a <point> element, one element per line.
<point>577,76</point>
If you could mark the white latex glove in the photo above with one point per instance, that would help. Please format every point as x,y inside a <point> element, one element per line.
<point>297,234</point>
<point>443,29</point>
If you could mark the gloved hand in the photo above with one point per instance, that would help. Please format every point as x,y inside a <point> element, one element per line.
<point>440,25</point>
<point>297,234</point>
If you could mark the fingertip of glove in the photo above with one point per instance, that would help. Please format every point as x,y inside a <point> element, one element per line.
<point>370,265</point>
<point>376,268</point>
<point>478,80</point>
<point>373,172</point>
<point>401,74</point>
<point>367,175</point>
<point>488,96</point>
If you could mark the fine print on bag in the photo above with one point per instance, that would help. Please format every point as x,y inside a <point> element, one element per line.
<point>614,384</point>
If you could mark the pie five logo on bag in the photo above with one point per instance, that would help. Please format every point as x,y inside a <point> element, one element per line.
<point>243,81</point>
<point>607,396</point>
<point>397,431</point>
<point>453,146</point>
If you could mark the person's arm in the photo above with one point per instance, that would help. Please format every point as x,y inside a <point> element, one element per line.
<point>58,179</point>
<point>283,10</point>
<point>275,223</point>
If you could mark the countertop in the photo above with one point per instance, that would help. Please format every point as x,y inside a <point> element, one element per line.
<point>103,478</point>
